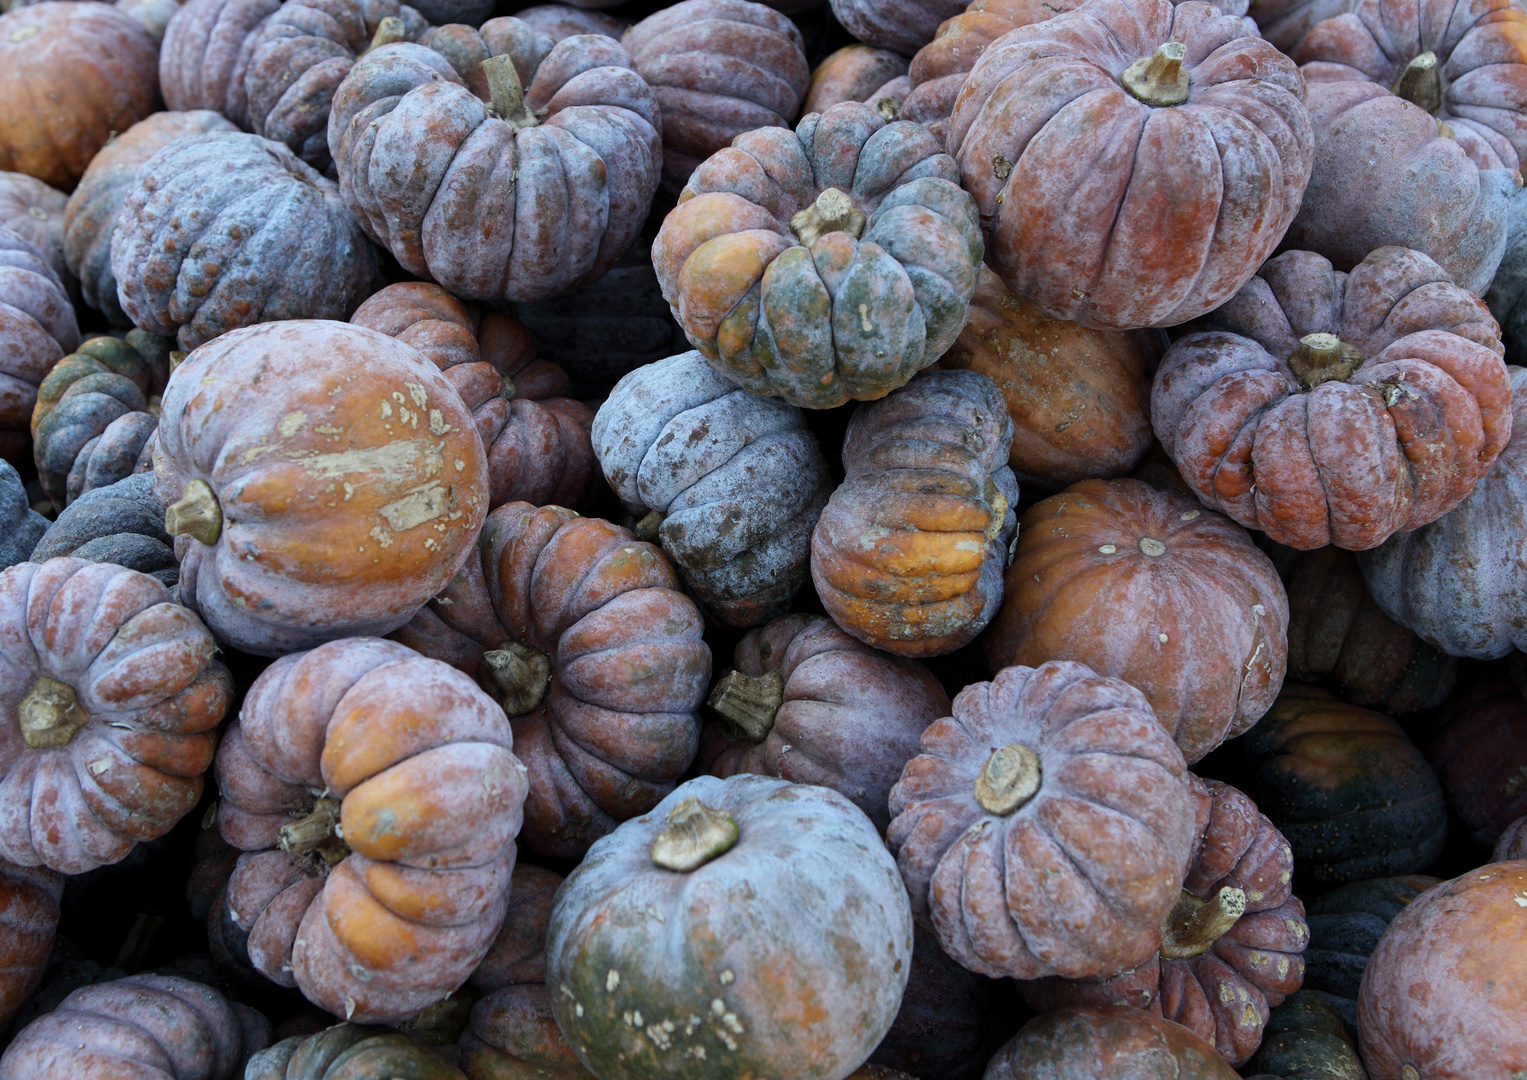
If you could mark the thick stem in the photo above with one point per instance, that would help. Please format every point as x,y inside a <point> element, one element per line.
<point>749,702</point>
<point>506,95</point>
<point>832,212</point>
<point>50,715</point>
<point>313,831</point>
<point>517,676</point>
<point>1159,79</point>
<point>998,503</point>
<point>1324,358</point>
<point>1420,83</point>
<point>650,526</point>
<point>389,31</point>
<point>888,108</point>
<point>1009,779</point>
<point>196,515</point>
<point>1195,925</point>
<point>693,836</point>
<point>506,388</point>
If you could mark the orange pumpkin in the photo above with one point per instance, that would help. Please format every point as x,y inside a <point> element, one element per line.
<point>859,73</point>
<point>28,918</point>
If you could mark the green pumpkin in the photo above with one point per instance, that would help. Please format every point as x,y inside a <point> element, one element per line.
<point>350,1052</point>
<point>1345,925</point>
<point>1305,1039</point>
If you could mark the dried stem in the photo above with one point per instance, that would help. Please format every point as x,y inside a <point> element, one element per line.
<point>1159,79</point>
<point>196,515</point>
<point>1009,779</point>
<point>693,836</point>
<point>749,702</point>
<point>1195,925</point>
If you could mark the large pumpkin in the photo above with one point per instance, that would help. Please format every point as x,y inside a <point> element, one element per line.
<point>350,1052</point>
<point>28,919</point>
<point>1480,754</point>
<point>830,263</point>
<point>579,632</point>
<point>324,481</point>
<point>1306,1039</point>
<point>730,483</point>
<point>35,212</point>
<point>909,552</point>
<point>859,73</point>
<point>110,696</point>
<point>1345,925</point>
<point>752,925</point>
<point>1330,408</point>
<point>902,25</point>
<point>37,329</point>
<point>1108,1043</point>
<point>122,523</point>
<point>21,527</point>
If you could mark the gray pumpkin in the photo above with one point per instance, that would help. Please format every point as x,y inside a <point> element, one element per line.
<point>122,524</point>
<point>20,526</point>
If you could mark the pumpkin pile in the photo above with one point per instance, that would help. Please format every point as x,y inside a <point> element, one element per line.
<point>724,540</point>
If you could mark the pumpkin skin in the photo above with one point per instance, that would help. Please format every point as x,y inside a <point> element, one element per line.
<point>1206,640</point>
<point>900,25</point>
<point>628,667</point>
<point>122,694</point>
<point>558,21</point>
<point>122,523</point>
<point>1315,444</point>
<point>1450,936</point>
<point>987,880</point>
<point>35,212</point>
<point>1480,754</point>
<point>1345,925</point>
<point>848,717</point>
<point>21,527</point>
<point>719,68</point>
<point>1347,788</point>
<point>37,329</point>
<point>1285,22</point>
<point>799,997</point>
<point>1108,1043</point>
<point>348,1050</point>
<point>730,483</point>
<point>859,73</point>
<point>285,570</point>
<point>1458,582</point>
<point>1512,843</point>
<point>909,552</point>
<point>1062,205</point>
<point>28,919</point>
<point>95,69</point>
<point>881,293</point>
<point>1306,1039</point>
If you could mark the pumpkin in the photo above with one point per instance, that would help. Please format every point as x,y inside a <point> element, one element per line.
<point>1452,938</point>
<point>37,328</point>
<point>1079,397</point>
<point>1108,1043</point>
<point>1344,784</point>
<point>1206,634</point>
<point>792,964</point>
<point>807,702</point>
<point>1385,175</point>
<point>110,695</point>
<point>1285,22</point>
<point>1345,924</point>
<point>150,1026</point>
<point>1480,754</point>
<point>1048,790</point>
<point>35,212</point>
<point>1337,632</point>
<point>20,526</point>
<point>70,75</point>
<point>153,15</point>
<point>909,552</point>
<point>558,21</point>
<point>730,483</point>
<point>859,73</point>
<point>1111,208</point>
<point>417,135</point>
<point>91,214</point>
<point>830,263</point>
<point>122,523</point>
<point>348,1050</point>
<point>29,917</point>
<point>901,25</point>
<point>1329,408</point>
<point>323,481</point>
<point>719,68</point>
<point>1306,1039</point>
<point>1512,843</point>
<point>1509,286</point>
<point>415,766</point>
<point>1458,582</point>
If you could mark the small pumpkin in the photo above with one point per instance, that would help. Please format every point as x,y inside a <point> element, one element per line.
<point>1512,843</point>
<point>28,920</point>
<point>1285,22</point>
<point>1112,1042</point>
<point>809,703</point>
<point>21,527</point>
<point>902,25</point>
<point>1480,754</point>
<point>830,263</point>
<point>558,21</point>
<point>348,1050</point>
<point>35,212</point>
<point>746,977</point>
<point>37,329</point>
<point>1306,1039</point>
<point>731,484</point>
<point>1345,925</point>
<point>859,73</point>
<point>122,523</point>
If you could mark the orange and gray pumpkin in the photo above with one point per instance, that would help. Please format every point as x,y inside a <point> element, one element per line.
<point>35,212</point>
<point>37,329</point>
<point>731,484</point>
<point>824,264</point>
<point>859,73</point>
<point>21,527</point>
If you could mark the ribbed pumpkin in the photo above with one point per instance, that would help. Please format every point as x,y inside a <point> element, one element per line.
<point>28,919</point>
<point>37,329</point>
<point>1344,784</point>
<point>695,917</point>
<point>415,766</point>
<point>902,25</point>
<point>579,632</point>
<point>909,552</point>
<point>1480,754</point>
<point>110,694</point>
<point>1512,843</point>
<point>1109,1043</point>
<point>564,20</point>
<point>1306,1039</point>
<point>859,73</point>
<point>807,702</point>
<point>122,523</point>
<point>830,263</point>
<point>350,1052</point>
<point>70,75</point>
<point>35,212</point>
<point>1330,408</point>
<point>731,484</point>
<point>1045,829</point>
<point>325,481</point>
<point>21,527</point>
<point>1285,22</point>
<point>1345,925</point>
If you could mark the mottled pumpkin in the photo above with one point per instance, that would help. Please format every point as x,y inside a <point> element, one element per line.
<point>37,329</point>
<point>1345,925</point>
<point>1480,754</point>
<point>579,632</point>
<point>1108,1043</point>
<point>902,25</point>
<point>908,554</point>
<point>1330,408</point>
<point>695,917</point>
<point>1306,1039</point>
<point>70,75</point>
<point>21,527</point>
<point>1512,843</point>
<point>122,523</point>
<point>859,73</point>
<point>830,263</point>
<point>1445,989</point>
<point>807,702</point>
<point>28,919</point>
<point>1344,784</point>
<point>562,20</point>
<point>731,484</point>
<point>325,481</point>
<point>35,212</point>
<point>1285,22</point>
<point>110,694</point>
<point>350,1052</point>
<point>720,68</point>
<point>1046,827</point>
<point>1459,582</point>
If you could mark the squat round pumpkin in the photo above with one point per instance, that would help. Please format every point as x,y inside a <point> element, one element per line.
<point>1109,1043</point>
<point>37,329</point>
<point>349,1051</point>
<point>1306,1039</point>
<point>902,25</point>
<point>35,212</point>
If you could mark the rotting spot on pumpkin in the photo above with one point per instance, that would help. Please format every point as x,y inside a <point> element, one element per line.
<point>1001,167</point>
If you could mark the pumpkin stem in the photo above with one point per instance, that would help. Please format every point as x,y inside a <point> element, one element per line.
<point>649,526</point>
<point>832,212</point>
<point>506,94</point>
<point>389,31</point>
<point>1195,925</point>
<point>50,715</point>
<point>1420,83</point>
<point>1324,358</point>
<point>506,388</point>
<point>998,502</point>
<point>693,836</point>
<point>517,676</point>
<point>196,515</point>
<point>177,357</point>
<point>1158,79</point>
<point>313,831</point>
<point>749,702</point>
<point>889,108</point>
<point>1009,779</point>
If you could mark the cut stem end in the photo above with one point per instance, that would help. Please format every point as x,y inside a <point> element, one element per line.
<point>749,702</point>
<point>1159,79</point>
<point>1420,83</point>
<point>318,829</point>
<point>693,836</point>
<point>1194,925</point>
<point>506,94</point>
<point>50,715</point>
<point>1322,358</point>
<point>196,515</point>
<point>1009,779</point>
<point>833,211</point>
<point>516,676</point>
<point>389,31</point>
